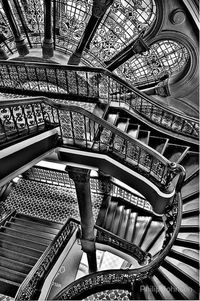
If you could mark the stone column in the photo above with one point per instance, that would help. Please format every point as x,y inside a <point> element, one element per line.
<point>47,47</point>
<point>81,178</point>
<point>98,10</point>
<point>19,40</point>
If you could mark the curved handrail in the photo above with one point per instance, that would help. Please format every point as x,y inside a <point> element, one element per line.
<point>31,285</point>
<point>85,130</point>
<point>106,237</point>
<point>109,279</point>
<point>92,83</point>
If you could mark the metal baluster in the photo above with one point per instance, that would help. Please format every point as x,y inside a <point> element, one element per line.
<point>33,110</point>
<point>85,128</point>
<point>25,118</point>
<point>15,123</point>
<point>72,125</point>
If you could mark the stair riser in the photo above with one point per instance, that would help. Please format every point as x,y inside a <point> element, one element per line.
<point>8,289</point>
<point>35,226</point>
<point>15,265</point>
<point>20,249</point>
<point>22,242</point>
<point>27,236</point>
<point>28,231</point>
<point>11,275</point>
<point>20,257</point>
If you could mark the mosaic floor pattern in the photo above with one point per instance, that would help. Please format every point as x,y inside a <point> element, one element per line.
<point>47,201</point>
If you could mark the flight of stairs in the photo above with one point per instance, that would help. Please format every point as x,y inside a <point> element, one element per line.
<point>178,276</point>
<point>132,224</point>
<point>23,239</point>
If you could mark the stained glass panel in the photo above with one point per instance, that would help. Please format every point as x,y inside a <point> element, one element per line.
<point>122,22</point>
<point>164,56</point>
<point>71,19</point>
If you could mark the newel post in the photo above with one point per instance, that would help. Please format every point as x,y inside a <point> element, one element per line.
<point>81,178</point>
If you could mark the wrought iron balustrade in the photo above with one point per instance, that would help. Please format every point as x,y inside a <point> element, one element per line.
<point>21,119</point>
<point>83,130</point>
<point>91,84</point>
<point>31,286</point>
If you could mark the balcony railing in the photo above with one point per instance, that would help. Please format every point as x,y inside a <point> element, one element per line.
<point>91,84</point>
<point>83,130</point>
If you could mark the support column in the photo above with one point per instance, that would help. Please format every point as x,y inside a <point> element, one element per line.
<point>137,46</point>
<point>81,178</point>
<point>98,10</point>
<point>47,47</point>
<point>19,40</point>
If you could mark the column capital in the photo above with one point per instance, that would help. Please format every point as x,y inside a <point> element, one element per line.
<point>77,174</point>
<point>100,7</point>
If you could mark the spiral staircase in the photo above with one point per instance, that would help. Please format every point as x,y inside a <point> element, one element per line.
<point>97,114</point>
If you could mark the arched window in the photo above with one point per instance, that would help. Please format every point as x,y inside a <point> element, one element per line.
<point>164,56</point>
<point>123,21</point>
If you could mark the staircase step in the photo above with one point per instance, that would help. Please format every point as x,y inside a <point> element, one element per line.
<point>133,130</point>
<point>45,235</point>
<point>158,143</point>
<point>190,162</point>
<point>156,228</point>
<point>174,151</point>
<point>122,124</point>
<point>34,225</point>
<point>179,273</point>
<point>168,283</point>
<point>4,252</point>
<point>110,214</point>
<point>103,211</point>
<point>187,243</point>
<point>190,213</point>
<point>12,275</point>
<point>26,236</point>
<point>22,242</point>
<point>15,265</point>
<point>143,136</point>
<point>190,187</point>
<point>8,288</point>
<point>20,249</point>
<point>141,225</point>
<point>44,222</point>
<point>131,226</point>
<point>123,223</point>
<point>184,258</point>
<point>117,218</point>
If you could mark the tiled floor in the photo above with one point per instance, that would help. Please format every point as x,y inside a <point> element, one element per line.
<point>47,201</point>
